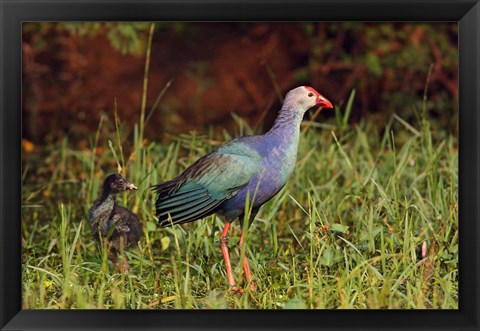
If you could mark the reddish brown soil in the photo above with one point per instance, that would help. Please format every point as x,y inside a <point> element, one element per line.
<point>215,68</point>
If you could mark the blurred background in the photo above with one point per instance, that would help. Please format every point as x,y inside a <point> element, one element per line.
<point>201,73</point>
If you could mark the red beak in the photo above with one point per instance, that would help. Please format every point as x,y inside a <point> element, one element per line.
<point>323,102</point>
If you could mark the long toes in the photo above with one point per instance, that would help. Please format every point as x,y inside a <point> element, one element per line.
<point>236,289</point>
<point>252,287</point>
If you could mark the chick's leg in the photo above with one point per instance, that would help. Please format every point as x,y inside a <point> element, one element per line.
<point>113,256</point>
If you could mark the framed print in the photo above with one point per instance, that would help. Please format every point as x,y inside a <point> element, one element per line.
<point>239,165</point>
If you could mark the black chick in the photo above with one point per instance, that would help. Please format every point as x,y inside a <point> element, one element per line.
<point>117,226</point>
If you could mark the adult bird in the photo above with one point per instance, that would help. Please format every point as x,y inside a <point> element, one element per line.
<point>116,226</point>
<point>253,166</point>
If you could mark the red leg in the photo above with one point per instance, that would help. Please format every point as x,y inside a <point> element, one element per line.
<point>246,266</point>
<point>226,257</point>
<point>126,266</point>
<point>123,267</point>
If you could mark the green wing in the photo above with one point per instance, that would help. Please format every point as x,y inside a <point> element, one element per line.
<point>207,183</point>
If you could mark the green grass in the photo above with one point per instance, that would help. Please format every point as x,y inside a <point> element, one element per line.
<point>343,233</point>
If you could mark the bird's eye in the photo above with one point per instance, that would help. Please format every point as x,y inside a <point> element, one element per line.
<point>120,181</point>
<point>310,94</point>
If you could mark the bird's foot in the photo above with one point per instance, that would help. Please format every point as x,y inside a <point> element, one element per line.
<point>236,289</point>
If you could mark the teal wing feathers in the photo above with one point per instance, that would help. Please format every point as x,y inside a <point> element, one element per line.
<point>208,182</point>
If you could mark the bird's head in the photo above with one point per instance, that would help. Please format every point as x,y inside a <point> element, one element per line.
<point>115,183</point>
<point>305,97</point>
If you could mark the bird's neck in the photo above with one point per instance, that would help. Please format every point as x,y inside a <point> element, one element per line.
<point>106,195</point>
<point>287,122</point>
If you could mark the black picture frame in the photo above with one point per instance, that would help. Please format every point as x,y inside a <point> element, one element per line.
<point>14,12</point>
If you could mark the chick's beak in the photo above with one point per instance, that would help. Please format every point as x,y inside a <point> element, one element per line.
<point>130,186</point>
<point>323,102</point>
